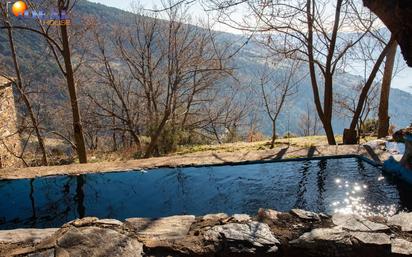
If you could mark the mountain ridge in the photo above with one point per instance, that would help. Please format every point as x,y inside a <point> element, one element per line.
<point>247,64</point>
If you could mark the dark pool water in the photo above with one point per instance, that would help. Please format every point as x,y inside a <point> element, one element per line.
<point>332,185</point>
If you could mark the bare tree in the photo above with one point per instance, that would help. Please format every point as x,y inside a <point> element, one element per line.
<point>225,113</point>
<point>156,78</point>
<point>310,31</point>
<point>277,87</point>
<point>349,136</point>
<point>65,6</point>
<point>20,84</point>
<point>119,101</point>
<point>347,102</point>
<point>309,122</point>
<point>58,41</point>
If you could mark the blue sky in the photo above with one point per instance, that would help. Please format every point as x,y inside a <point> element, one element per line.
<point>196,10</point>
<point>125,4</point>
<point>403,80</point>
<point>148,4</point>
<point>122,4</point>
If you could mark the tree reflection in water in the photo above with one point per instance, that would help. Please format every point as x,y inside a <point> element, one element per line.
<point>321,177</point>
<point>300,197</point>
<point>79,198</point>
<point>33,204</point>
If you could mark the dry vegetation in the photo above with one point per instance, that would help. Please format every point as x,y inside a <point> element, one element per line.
<point>298,142</point>
<point>166,85</point>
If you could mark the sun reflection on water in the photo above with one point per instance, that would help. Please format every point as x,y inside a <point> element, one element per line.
<point>354,201</point>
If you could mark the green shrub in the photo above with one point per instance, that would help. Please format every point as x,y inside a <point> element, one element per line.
<point>370,126</point>
<point>289,135</point>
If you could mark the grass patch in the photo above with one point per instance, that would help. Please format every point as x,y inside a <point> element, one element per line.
<point>303,142</point>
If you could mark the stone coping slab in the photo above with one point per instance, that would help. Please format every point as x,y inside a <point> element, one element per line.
<point>270,233</point>
<point>357,223</point>
<point>175,227</point>
<point>31,236</point>
<point>403,220</point>
<point>374,154</point>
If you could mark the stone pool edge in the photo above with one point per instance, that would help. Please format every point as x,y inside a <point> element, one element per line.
<point>269,233</point>
<point>373,155</point>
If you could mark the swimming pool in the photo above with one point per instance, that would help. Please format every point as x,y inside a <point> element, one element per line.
<point>322,185</point>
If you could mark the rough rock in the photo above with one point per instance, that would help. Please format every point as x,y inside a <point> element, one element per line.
<point>109,222</point>
<point>217,216</point>
<point>241,218</point>
<point>47,253</point>
<point>94,241</point>
<point>399,136</point>
<point>215,235</point>
<point>401,247</point>
<point>334,235</point>
<point>323,242</point>
<point>25,236</point>
<point>405,136</point>
<point>403,220</point>
<point>357,223</point>
<point>324,216</point>
<point>170,228</point>
<point>83,222</point>
<point>253,233</point>
<point>306,215</point>
<point>372,238</point>
<point>268,214</point>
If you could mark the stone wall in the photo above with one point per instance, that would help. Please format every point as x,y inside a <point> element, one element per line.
<point>296,234</point>
<point>9,138</point>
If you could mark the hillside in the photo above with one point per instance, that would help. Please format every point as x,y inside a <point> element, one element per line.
<point>31,47</point>
<point>400,109</point>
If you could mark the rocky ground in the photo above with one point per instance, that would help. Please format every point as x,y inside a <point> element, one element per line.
<point>270,233</point>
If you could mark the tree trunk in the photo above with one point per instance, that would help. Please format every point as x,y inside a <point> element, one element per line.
<point>135,137</point>
<point>155,137</point>
<point>350,137</point>
<point>272,143</point>
<point>328,97</point>
<point>328,110</point>
<point>383,129</point>
<point>330,135</point>
<point>25,98</point>
<point>77,126</point>
<point>114,149</point>
<point>325,114</point>
<point>365,90</point>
